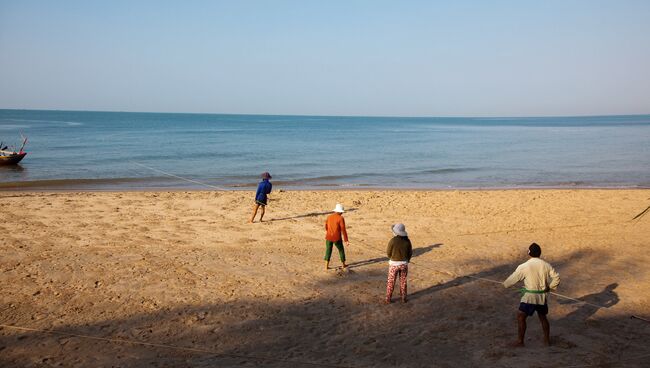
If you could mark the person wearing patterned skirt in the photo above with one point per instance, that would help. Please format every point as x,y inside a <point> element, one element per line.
<point>399,253</point>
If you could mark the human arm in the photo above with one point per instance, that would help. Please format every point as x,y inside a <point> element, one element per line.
<point>409,252</point>
<point>389,249</point>
<point>258,192</point>
<point>555,279</point>
<point>514,278</point>
<point>269,188</point>
<point>344,232</point>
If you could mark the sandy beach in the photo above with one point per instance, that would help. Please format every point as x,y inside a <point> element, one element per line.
<point>186,273</point>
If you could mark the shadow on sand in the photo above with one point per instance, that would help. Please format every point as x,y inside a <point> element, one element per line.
<point>311,214</point>
<point>605,298</point>
<point>496,273</point>
<point>416,252</point>
<point>343,324</point>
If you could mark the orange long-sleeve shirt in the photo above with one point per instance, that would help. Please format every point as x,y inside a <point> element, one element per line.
<point>334,227</point>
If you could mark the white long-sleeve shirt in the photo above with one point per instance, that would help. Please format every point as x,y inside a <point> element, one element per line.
<point>537,274</point>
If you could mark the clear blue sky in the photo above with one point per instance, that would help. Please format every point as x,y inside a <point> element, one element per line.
<point>397,58</point>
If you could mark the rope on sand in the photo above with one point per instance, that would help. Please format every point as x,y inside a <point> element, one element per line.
<point>610,362</point>
<point>174,347</point>
<point>271,359</point>
<point>507,231</point>
<point>490,280</point>
<point>178,177</point>
<point>637,217</point>
<point>554,293</point>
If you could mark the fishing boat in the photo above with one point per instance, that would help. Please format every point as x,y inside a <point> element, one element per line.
<point>11,157</point>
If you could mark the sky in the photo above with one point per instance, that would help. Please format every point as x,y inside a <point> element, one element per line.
<point>307,57</point>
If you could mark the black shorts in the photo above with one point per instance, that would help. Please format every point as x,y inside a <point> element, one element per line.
<point>260,203</point>
<point>529,309</point>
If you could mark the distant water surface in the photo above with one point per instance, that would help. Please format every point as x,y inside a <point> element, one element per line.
<point>115,151</point>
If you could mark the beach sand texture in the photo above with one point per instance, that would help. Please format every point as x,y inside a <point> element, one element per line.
<point>185,269</point>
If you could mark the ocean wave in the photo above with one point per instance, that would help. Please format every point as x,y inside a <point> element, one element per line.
<point>319,181</point>
<point>69,123</point>
<point>334,180</point>
<point>449,170</point>
<point>13,126</point>
<point>81,183</point>
<point>335,177</point>
<point>28,120</point>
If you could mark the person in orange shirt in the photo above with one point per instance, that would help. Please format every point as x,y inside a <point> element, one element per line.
<point>335,235</point>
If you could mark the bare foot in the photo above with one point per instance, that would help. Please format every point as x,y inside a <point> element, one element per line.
<point>404,300</point>
<point>517,344</point>
<point>387,301</point>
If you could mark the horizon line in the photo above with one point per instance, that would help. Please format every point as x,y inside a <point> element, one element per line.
<point>341,116</point>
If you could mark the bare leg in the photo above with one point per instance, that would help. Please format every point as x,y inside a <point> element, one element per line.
<point>521,331</point>
<point>262,213</point>
<point>546,327</point>
<point>327,265</point>
<point>255,207</point>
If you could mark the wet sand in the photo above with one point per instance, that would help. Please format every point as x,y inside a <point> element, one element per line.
<point>186,269</point>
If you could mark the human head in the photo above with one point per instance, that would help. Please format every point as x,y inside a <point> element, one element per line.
<point>399,229</point>
<point>534,250</point>
<point>266,175</point>
<point>339,208</point>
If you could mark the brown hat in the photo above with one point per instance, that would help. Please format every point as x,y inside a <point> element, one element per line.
<point>266,175</point>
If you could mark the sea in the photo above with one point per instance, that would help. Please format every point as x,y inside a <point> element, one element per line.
<point>91,150</point>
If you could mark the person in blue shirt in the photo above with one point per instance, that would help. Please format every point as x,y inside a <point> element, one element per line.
<point>261,198</point>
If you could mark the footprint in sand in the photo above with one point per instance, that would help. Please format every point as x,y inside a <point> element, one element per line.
<point>560,342</point>
<point>343,272</point>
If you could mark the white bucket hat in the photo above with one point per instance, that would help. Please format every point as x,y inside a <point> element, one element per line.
<point>399,229</point>
<point>339,208</point>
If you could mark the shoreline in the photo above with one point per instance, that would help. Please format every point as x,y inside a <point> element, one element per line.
<point>94,185</point>
<point>346,189</point>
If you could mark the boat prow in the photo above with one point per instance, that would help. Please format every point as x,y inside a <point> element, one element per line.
<point>12,158</point>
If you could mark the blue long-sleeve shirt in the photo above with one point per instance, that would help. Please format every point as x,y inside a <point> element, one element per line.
<point>263,189</point>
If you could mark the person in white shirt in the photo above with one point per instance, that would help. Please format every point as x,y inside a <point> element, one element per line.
<point>539,278</point>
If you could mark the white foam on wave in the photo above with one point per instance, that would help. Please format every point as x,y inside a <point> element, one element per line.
<point>68,123</point>
<point>31,120</point>
<point>13,126</point>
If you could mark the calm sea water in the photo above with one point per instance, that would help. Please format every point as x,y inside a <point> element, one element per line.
<point>114,150</point>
